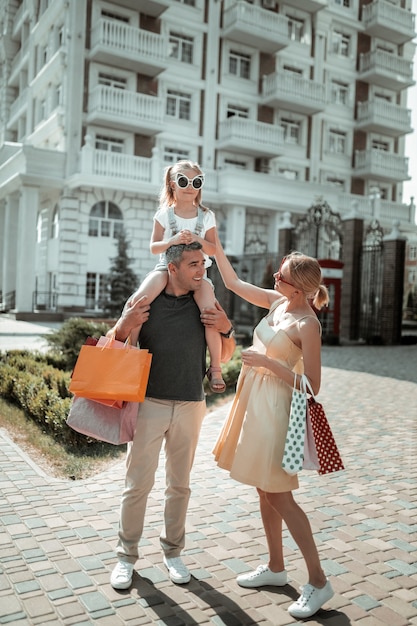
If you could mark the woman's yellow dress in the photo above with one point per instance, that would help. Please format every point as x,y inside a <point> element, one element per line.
<point>251,443</point>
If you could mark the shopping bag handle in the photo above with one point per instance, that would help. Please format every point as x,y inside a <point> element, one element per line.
<point>112,338</point>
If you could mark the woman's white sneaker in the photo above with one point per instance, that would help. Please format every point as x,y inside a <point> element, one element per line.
<point>310,601</point>
<point>261,577</point>
<point>121,576</point>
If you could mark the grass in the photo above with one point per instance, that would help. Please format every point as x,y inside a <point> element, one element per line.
<point>50,455</point>
<point>57,460</point>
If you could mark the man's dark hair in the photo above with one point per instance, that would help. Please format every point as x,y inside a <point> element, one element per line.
<point>174,253</point>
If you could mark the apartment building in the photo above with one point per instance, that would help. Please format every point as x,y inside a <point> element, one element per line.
<point>282,103</point>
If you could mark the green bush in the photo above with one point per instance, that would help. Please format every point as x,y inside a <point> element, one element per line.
<point>66,342</point>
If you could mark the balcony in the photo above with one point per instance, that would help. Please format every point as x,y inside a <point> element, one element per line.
<point>379,165</point>
<point>253,26</point>
<point>113,170</point>
<point>119,44</point>
<point>311,6</point>
<point>17,108</point>
<point>383,117</point>
<point>118,108</point>
<point>258,139</point>
<point>386,70</point>
<point>383,19</point>
<point>293,92</point>
<point>388,210</point>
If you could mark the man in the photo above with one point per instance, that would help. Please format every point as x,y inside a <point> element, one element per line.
<point>173,409</point>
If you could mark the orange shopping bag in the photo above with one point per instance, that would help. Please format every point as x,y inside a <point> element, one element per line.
<point>111,372</point>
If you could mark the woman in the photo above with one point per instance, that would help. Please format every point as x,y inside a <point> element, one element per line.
<point>251,443</point>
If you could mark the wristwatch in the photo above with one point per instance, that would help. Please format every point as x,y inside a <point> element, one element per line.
<point>229,333</point>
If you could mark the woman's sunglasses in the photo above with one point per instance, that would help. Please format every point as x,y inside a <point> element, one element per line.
<point>279,275</point>
<point>282,280</point>
<point>183,181</point>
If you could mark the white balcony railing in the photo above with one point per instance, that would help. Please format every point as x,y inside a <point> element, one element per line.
<point>363,208</point>
<point>113,164</point>
<point>239,129</point>
<point>290,87</point>
<point>381,164</point>
<point>126,104</point>
<point>20,101</point>
<point>388,15</point>
<point>384,61</point>
<point>254,17</point>
<point>385,113</point>
<point>122,38</point>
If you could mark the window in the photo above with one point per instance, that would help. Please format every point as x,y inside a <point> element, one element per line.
<point>294,71</point>
<point>95,291</point>
<point>233,110</point>
<point>339,92</point>
<point>172,155</point>
<point>295,28</point>
<point>291,130</point>
<point>106,220</point>
<point>181,47</point>
<point>178,105</point>
<point>61,36</point>
<point>190,3</point>
<point>341,44</point>
<point>115,16</point>
<point>336,182</point>
<point>343,3</point>
<point>412,253</point>
<point>382,146</point>
<point>111,80</point>
<point>58,95</point>
<point>234,163</point>
<point>337,142</point>
<point>239,64</point>
<point>287,173</point>
<point>111,144</point>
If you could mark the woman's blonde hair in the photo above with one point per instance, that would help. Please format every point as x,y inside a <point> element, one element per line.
<point>305,273</point>
<point>167,195</point>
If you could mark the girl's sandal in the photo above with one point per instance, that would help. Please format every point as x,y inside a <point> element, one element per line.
<point>216,383</point>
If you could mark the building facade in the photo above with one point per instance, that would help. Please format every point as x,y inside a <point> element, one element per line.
<point>279,102</point>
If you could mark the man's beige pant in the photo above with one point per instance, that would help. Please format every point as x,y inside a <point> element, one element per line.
<point>179,423</point>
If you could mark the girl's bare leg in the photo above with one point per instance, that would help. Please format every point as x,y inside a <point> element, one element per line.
<point>205,299</point>
<point>300,529</point>
<point>152,285</point>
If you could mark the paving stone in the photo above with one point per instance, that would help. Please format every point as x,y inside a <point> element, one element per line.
<point>57,538</point>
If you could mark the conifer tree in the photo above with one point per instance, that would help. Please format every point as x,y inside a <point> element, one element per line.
<point>122,279</point>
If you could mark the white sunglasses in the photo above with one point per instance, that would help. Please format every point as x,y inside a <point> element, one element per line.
<point>183,181</point>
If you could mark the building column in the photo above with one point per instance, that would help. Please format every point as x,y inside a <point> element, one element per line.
<point>285,235</point>
<point>393,287</point>
<point>71,270</point>
<point>235,231</point>
<point>351,278</point>
<point>26,248</point>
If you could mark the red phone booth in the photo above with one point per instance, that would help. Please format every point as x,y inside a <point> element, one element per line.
<point>329,316</point>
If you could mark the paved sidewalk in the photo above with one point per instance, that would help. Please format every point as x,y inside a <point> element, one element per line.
<point>57,537</point>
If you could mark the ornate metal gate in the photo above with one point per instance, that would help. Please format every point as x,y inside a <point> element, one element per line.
<point>319,234</point>
<point>372,268</point>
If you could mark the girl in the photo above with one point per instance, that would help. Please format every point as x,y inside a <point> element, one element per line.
<point>182,219</point>
<point>251,443</point>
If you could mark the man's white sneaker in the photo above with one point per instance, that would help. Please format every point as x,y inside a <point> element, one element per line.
<point>178,572</point>
<point>310,601</point>
<point>261,577</point>
<point>121,576</point>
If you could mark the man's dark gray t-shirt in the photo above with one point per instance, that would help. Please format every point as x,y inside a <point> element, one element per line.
<point>175,337</point>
